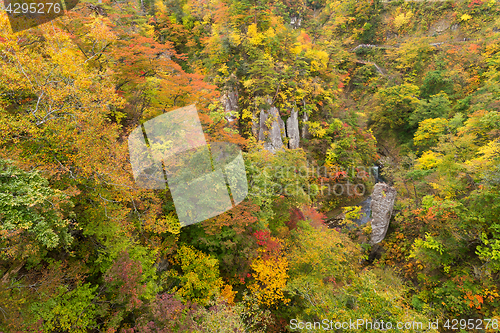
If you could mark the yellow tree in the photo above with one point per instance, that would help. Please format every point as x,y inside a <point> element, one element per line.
<point>270,278</point>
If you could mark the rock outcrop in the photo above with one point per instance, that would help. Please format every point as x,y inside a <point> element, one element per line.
<point>269,127</point>
<point>383,198</point>
<point>272,129</point>
<point>230,102</point>
<point>292,129</point>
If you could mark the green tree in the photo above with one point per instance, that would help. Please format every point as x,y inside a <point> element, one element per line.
<point>395,105</point>
<point>35,218</point>
<point>438,106</point>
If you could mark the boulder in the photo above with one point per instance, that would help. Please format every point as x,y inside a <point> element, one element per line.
<point>383,198</point>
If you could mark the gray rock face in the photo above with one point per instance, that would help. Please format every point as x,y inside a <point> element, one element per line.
<point>292,129</point>
<point>263,129</point>
<point>230,102</point>
<point>383,198</point>
<point>255,124</point>
<point>272,129</point>
<point>439,27</point>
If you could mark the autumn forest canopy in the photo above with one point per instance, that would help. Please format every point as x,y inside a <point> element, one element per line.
<point>360,94</point>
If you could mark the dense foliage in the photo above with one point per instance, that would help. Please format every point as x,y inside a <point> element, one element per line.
<point>411,86</point>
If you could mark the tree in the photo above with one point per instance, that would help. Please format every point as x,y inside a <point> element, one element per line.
<point>395,105</point>
<point>326,279</point>
<point>438,106</point>
<point>228,237</point>
<point>69,310</point>
<point>35,218</point>
<point>270,276</point>
<point>430,131</point>
<point>166,314</point>
<point>199,281</point>
<point>436,82</point>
